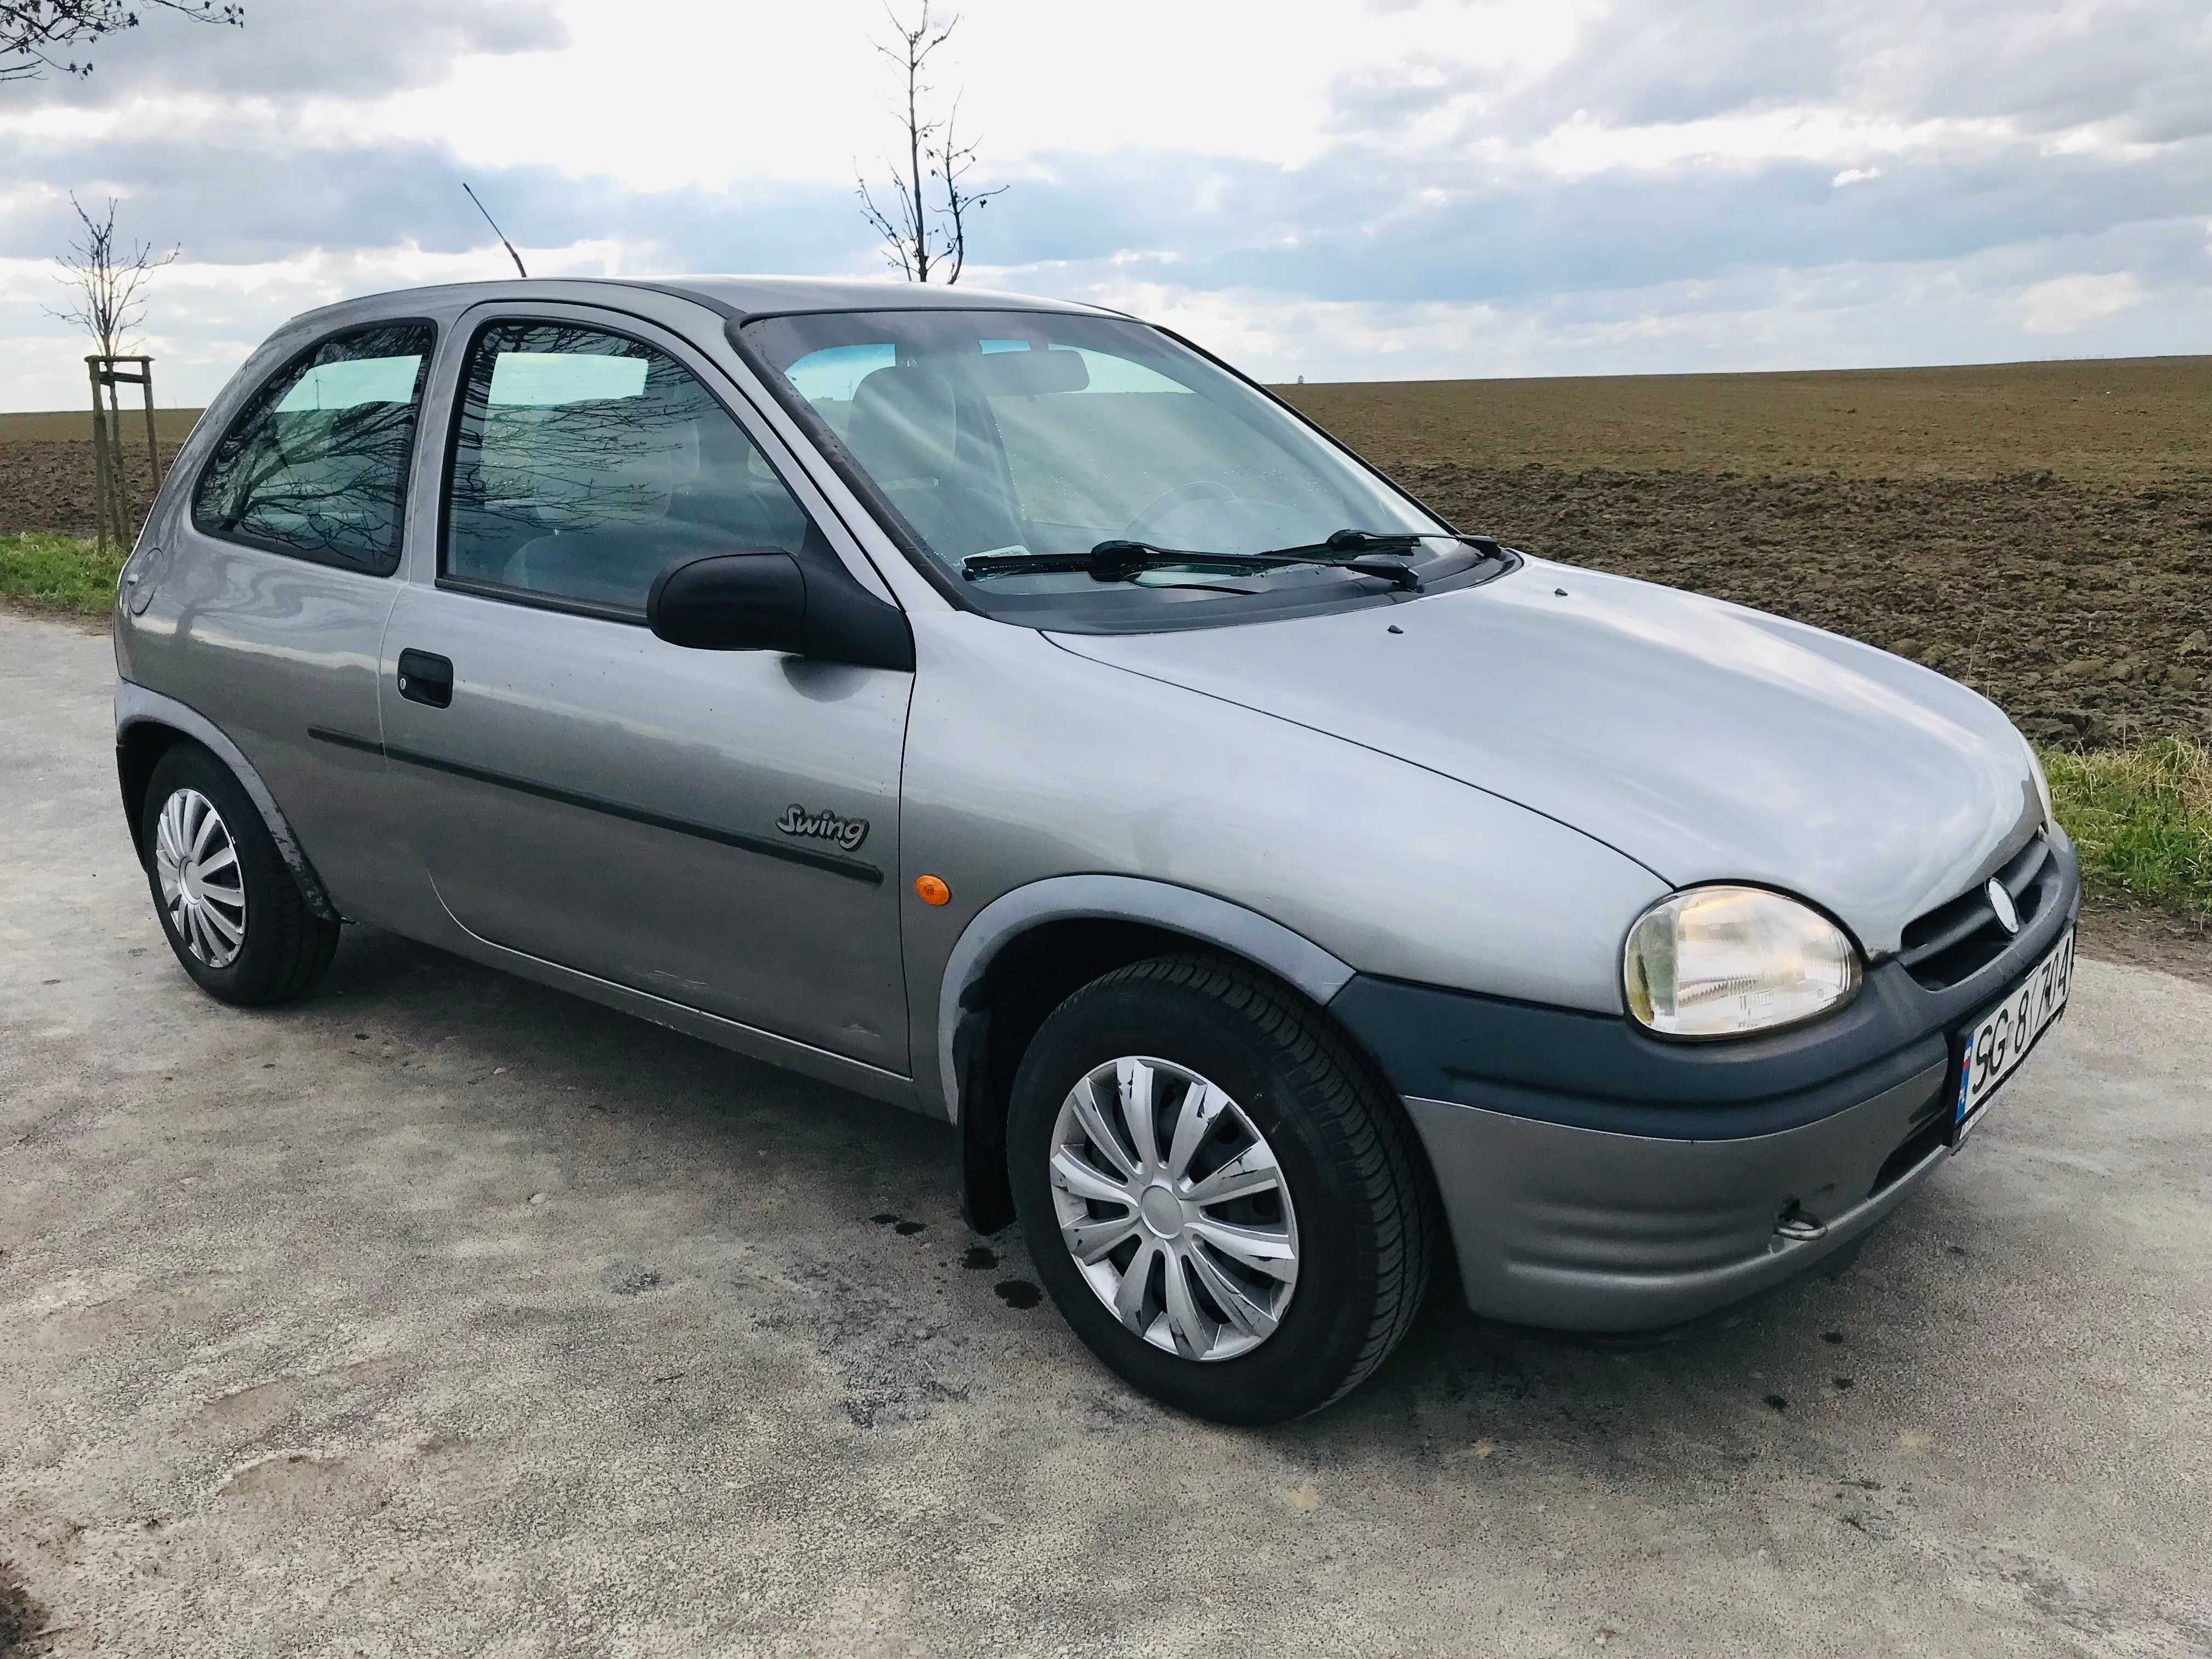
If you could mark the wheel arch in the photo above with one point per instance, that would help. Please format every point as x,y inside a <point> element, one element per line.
<point>1024,953</point>
<point>148,725</point>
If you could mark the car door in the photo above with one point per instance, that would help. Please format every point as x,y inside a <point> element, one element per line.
<point>718,828</point>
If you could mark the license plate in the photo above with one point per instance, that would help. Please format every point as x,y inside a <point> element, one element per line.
<point>1998,1042</point>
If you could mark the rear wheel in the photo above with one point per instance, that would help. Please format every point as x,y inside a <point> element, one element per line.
<point>232,912</point>
<point>1220,1197</point>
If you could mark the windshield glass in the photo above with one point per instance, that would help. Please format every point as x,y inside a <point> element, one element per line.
<point>1003,433</point>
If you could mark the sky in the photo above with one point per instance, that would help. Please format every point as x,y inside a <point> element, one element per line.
<point>1397,189</point>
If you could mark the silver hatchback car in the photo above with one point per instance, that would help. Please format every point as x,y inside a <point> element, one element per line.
<point>1002,708</point>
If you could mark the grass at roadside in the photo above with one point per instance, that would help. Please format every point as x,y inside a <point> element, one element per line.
<point>2143,818</point>
<point>58,573</point>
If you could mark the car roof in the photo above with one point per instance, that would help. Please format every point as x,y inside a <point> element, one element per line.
<point>762,296</point>
<point>738,298</point>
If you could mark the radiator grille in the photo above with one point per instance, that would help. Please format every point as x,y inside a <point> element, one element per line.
<point>1963,935</point>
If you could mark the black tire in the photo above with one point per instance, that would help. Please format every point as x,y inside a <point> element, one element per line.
<point>287,946</point>
<point>1368,1223</point>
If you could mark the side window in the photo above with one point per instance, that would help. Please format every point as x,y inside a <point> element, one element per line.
<point>585,464</point>
<point>316,464</point>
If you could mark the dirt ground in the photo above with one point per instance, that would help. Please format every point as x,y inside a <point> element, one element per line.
<point>2118,927</point>
<point>46,466</point>
<point>2117,421</point>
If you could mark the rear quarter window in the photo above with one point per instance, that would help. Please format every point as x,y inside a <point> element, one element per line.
<point>316,464</point>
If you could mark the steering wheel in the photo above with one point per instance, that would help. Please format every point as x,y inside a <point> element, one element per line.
<point>1198,489</point>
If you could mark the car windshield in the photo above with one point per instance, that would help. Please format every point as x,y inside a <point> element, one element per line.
<point>996,434</point>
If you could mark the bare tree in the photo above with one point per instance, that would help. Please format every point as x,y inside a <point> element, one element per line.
<point>924,229</point>
<point>109,302</point>
<point>34,34</point>
<point>109,285</point>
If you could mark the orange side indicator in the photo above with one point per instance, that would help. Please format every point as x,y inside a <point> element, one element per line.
<point>932,889</point>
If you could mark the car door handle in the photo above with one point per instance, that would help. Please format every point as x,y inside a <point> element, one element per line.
<point>426,678</point>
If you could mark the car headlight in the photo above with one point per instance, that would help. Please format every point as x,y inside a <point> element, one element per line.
<point>2042,783</point>
<point>1718,962</point>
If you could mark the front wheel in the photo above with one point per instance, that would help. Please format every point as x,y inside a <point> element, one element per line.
<point>1219,1196</point>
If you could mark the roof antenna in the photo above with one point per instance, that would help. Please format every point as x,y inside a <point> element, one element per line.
<point>498,232</point>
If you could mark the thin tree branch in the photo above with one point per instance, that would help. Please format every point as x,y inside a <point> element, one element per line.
<point>927,240</point>
<point>34,32</point>
<point>954,161</point>
<point>109,286</point>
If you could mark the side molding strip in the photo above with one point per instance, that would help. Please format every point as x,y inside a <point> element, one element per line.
<point>366,745</point>
<point>851,869</point>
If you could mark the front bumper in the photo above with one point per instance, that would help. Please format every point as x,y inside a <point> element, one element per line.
<point>1580,1229</point>
<point>1597,1179</point>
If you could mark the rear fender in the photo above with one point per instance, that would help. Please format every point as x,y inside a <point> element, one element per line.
<point>136,707</point>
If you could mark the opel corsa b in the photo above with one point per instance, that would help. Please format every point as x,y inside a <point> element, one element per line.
<point>1001,707</point>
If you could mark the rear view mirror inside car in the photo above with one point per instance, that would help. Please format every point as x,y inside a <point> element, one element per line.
<point>1029,373</point>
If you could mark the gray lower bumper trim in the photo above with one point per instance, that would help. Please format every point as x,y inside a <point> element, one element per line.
<point>1585,1230</point>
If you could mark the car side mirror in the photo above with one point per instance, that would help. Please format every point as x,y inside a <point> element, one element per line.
<point>763,598</point>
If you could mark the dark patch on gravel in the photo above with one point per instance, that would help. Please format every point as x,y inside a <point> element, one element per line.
<point>2083,610</point>
<point>979,1257</point>
<point>893,1365</point>
<point>20,1618</point>
<point>1018,1292</point>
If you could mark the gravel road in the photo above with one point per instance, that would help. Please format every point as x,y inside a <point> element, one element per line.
<point>446,1315</point>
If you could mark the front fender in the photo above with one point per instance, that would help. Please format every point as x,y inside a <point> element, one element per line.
<point>1200,917</point>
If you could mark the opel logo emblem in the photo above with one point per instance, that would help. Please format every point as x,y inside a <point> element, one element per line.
<point>2001,901</point>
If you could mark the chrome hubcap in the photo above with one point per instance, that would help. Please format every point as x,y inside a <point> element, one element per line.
<point>1174,1208</point>
<point>202,886</point>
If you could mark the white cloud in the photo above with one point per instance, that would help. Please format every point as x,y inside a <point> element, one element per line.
<point>204,319</point>
<point>710,95</point>
<point>1847,314</point>
<point>1414,186</point>
<point>2066,305</point>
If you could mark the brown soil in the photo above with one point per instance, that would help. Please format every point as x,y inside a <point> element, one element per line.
<point>47,484</point>
<point>2112,420</point>
<point>2119,928</point>
<point>46,466</point>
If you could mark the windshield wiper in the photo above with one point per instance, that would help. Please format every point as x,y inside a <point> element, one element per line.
<point>1380,541</point>
<point>1117,561</point>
